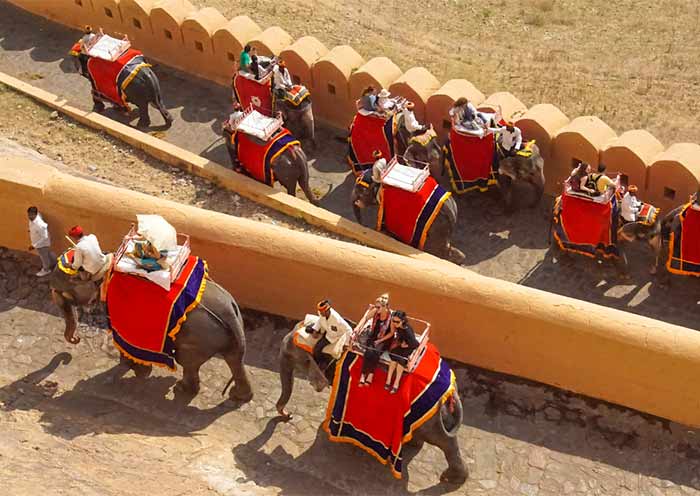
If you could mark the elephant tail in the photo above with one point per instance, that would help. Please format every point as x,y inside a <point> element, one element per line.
<point>157,96</point>
<point>452,415</point>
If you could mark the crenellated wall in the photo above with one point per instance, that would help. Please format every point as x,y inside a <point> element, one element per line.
<point>206,44</point>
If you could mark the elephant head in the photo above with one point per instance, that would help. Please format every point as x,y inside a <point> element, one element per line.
<point>524,170</point>
<point>364,194</point>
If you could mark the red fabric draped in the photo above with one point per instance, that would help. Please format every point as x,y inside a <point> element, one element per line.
<point>684,246</point>
<point>470,161</point>
<point>104,73</point>
<point>368,134</point>
<point>256,93</point>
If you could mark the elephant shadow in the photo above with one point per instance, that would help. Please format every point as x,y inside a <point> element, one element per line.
<point>316,470</point>
<point>484,229</point>
<point>586,279</point>
<point>98,405</point>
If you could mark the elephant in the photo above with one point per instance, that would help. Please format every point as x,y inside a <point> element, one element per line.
<point>290,168</point>
<point>668,224</point>
<point>630,232</point>
<point>214,327</point>
<point>440,430</point>
<point>142,90</point>
<point>438,241</point>
<point>519,170</point>
<point>299,120</point>
<point>419,154</point>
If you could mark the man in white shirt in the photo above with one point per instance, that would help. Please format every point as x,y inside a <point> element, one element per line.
<point>630,204</point>
<point>41,241</point>
<point>281,79</point>
<point>510,139</point>
<point>410,122</point>
<point>88,253</point>
<point>384,102</point>
<point>332,326</point>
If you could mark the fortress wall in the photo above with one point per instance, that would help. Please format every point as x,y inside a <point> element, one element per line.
<point>600,352</point>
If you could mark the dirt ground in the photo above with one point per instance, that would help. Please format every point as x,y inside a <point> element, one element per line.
<point>633,63</point>
<point>67,428</point>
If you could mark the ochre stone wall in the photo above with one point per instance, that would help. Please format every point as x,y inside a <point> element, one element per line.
<point>204,43</point>
<point>603,353</point>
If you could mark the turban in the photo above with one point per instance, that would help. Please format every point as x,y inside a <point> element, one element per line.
<point>323,306</point>
<point>75,232</point>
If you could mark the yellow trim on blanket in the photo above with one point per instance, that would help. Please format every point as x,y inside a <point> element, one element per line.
<point>670,250</point>
<point>578,252</point>
<point>432,218</point>
<point>130,78</point>
<point>489,182</point>
<point>429,414</point>
<point>66,270</point>
<point>380,210</point>
<point>299,344</point>
<point>193,305</point>
<point>650,222</point>
<point>142,362</point>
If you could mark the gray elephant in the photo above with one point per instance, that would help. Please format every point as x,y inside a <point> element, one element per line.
<point>649,233</point>
<point>299,119</point>
<point>420,151</point>
<point>289,168</point>
<point>438,241</point>
<point>440,430</point>
<point>517,170</point>
<point>214,327</point>
<point>135,81</point>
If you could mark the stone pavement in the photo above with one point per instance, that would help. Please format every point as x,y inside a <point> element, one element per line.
<point>66,429</point>
<point>512,248</point>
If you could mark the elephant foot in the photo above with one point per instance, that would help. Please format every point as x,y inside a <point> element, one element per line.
<point>143,123</point>
<point>141,371</point>
<point>98,107</point>
<point>455,475</point>
<point>242,394</point>
<point>187,388</point>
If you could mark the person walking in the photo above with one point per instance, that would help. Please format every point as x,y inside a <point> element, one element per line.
<point>41,241</point>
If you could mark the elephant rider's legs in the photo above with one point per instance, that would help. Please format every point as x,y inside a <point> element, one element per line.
<point>318,350</point>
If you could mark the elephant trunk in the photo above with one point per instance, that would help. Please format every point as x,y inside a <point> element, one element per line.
<point>302,165</point>
<point>358,213</point>
<point>69,316</point>
<point>287,380</point>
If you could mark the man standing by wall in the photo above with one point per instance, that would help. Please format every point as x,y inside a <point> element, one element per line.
<point>41,242</point>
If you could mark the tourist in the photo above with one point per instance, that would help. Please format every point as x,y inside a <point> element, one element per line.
<point>41,241</point>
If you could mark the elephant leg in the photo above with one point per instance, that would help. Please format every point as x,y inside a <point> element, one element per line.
<point>97,104</point>
<point>456,471</point>
<point>191,363</point>
<point>120,370</point>
<point>241,390</point>
<point>141,371</point>
<point>144,118</point>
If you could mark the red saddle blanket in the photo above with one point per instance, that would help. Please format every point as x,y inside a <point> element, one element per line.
<point>647,214</point>
<point>409,216</point>
<point>470,162</point>
<point>112,78</point>
<point>684,245</point>
<point>249,92</point>
<point>256,157</point>
<point>145,318</point>
<point>367,134</point>
<point>377,421</point>
<point>586,227</point>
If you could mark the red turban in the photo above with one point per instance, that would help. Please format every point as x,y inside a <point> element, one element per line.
<point>75,232</point>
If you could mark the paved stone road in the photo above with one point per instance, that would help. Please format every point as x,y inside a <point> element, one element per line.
<point>66,429</point>
<point>511,248</point>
